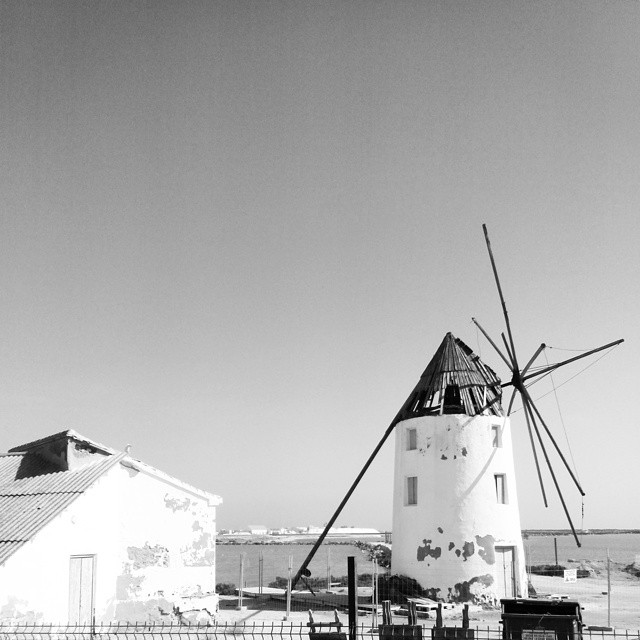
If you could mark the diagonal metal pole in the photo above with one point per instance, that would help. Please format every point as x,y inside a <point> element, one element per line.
<point>303,571</point>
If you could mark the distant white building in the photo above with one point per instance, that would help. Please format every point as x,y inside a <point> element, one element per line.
<point>87,531</point>
<point>456,524</point>
<point>258,530</point>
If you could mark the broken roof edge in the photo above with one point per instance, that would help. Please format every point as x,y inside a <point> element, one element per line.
<point>69,434</point>
<point>212,499</point>
<point>475,388</point>
<point>123,457</point>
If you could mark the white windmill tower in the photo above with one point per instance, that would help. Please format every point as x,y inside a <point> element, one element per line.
<point>456,524</point>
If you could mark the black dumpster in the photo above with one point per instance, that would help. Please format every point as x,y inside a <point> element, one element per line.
<point>527,619</point>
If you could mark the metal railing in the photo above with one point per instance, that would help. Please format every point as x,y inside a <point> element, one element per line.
<point>251,631</point>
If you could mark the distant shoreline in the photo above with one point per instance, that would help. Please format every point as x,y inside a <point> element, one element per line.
<point>585,532</point>
<point>308,539</point>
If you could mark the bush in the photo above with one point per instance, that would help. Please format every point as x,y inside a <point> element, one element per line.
<point>225,589</point>
<point>364,580</point>
<point>399,588</point>
<point>381,553</point>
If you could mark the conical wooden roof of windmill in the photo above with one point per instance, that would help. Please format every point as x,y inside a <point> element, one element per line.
<point>455,381</point>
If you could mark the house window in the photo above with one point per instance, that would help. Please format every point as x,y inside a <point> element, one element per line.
<point>412,490</point>
<point>412,439</point>
<point>496,435</point>
<point>501,488</point>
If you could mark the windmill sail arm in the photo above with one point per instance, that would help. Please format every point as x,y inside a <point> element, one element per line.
<point>492,343</point>
<point>509,352</point>
<point>527,399</point>
<point>533,358</point>
<point>555,366</point>
<point>504,305</point>
<point>532,407</point>
<point>527,409</point>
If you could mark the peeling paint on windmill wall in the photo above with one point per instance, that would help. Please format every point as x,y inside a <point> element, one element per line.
<point>456,524</point>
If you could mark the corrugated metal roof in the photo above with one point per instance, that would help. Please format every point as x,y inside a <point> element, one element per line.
<point>28,503</point>
<point>455,381</point>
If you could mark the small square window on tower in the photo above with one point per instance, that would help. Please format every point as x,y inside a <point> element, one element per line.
<point>412,439</point>
<point>501,488</point>
<point>411,496</point>
<point>496,435</point>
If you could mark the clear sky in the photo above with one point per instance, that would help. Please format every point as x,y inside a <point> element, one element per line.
<point>234,233</point>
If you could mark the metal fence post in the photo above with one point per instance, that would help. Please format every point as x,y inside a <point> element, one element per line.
<point>241,585</point>
<point>288,612</point>
<point>352,596</point>
<point>374,592</point>
<point>608,589</point>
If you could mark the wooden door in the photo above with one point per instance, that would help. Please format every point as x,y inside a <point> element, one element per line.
<point>81,589</point>
<point>505,572</point>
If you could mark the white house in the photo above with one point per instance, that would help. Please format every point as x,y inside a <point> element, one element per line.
<point>456,523</point>
<point>89,533</point>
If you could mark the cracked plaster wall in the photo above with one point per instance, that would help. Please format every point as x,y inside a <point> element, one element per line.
<point>169,555</point>
<point>448,540</point>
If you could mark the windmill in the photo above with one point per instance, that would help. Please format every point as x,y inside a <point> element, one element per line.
<point>456,384</point>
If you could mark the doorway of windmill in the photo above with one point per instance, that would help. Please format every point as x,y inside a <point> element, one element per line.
<point>505,572</point>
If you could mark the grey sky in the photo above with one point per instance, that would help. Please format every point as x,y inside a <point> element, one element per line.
<point>234,233</point>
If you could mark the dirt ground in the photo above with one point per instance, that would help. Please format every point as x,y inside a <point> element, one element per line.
<point>621,610</point>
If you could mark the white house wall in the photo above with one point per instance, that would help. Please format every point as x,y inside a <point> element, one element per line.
<point>155,554</point>
<point>447,541</point>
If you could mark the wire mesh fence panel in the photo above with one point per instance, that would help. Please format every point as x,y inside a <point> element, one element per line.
<point>256,576</point>
<point>603,575</point>
<point>608,590</point>
<point>260,631</point>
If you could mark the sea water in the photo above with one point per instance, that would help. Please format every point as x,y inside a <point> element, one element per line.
<point>275,561</point>
<point>622,547</point>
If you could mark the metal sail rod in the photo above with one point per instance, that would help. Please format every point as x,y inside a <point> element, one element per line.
<point>513,397</point>
<point>527,409</point>
<point>560,364</point>
<point>481,410</point>
<point>492,343</point>
<point>509,352</point>
<point>555,481</point>
<point>525,393</point>
<point>504,306</point>
<point>334,517</point>
<point>533,357</point>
